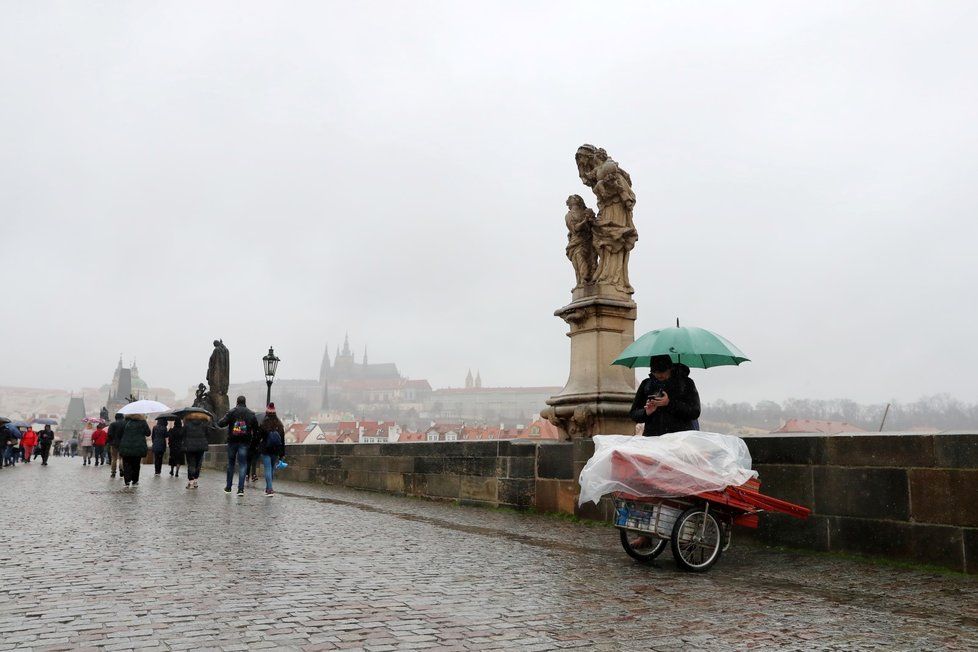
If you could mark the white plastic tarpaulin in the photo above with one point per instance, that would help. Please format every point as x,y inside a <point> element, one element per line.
<point>673,465</point>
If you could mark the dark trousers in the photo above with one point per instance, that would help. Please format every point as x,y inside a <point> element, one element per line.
<point>130,468</point>
<point>158,461</point>
<point>45,451</point>
<point>193,464</point>
<point>99,455</point>
<point>254,459</point>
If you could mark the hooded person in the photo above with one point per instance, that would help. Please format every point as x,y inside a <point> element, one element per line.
<point>45,439</point>
<point>133,446</point>
<point>666,401</point>
<point>242,425</point>
<point>272,447</point>
<point>28,442</point>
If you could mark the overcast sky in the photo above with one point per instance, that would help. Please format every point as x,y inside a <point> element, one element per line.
<point>280,173</point>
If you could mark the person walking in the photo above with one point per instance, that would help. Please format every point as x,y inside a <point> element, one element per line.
<point>272,445</point>
<point>176,448</point>
<point>28,442</point>
<point>133,447</point>
<point>85,441</point>
<point>159,445</point>
<point>116,428</point>
<point>241,424</point>
<point>99,439</point>
<point>45,440</point>
<point>255,447</point>
<point>73,443</point>
<point>10,448</point>
<point>196,426</point>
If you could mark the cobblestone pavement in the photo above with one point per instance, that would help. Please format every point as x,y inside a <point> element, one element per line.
<point>88,564</point>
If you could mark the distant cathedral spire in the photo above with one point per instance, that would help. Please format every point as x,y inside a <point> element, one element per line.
<point>346,345</point>
<point>468,380</point>
<point>324,366</point>
<point>478,378</point>
<point>365,354</point>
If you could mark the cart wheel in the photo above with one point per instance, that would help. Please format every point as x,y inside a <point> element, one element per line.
<point>642,547</point>
<point>696,540</point>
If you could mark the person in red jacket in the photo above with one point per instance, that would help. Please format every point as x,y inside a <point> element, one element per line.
<point>99,438</point>
<point>28,441</point>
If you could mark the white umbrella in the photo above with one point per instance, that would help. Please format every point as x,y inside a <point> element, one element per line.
<point>144,407</point>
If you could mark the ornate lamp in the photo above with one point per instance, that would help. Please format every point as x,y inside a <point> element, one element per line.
<point>271,365</point>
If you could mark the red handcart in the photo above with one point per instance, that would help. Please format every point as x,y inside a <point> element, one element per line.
<point>697,526</point>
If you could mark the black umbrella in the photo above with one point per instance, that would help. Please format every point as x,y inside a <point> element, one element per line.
<point>4,421</point>
<point>168,416</point>
<point>183,412</point>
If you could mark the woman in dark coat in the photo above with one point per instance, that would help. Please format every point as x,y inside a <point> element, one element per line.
<point>132,446</point>
<point>666,401</point>
<point>159,445</point>
<point>196,426</point>
<point>176,448</point>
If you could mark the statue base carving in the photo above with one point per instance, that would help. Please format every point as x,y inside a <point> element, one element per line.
<point>598,396</point>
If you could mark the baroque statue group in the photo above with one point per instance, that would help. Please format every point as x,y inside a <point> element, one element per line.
<point>598,245</point>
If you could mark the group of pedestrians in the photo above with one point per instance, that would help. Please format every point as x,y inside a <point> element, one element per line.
<point>27,447</point>
<point>124,443</point>
<point>250,442</point>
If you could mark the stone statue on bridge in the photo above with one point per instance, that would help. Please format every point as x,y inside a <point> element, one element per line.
<point>218,378</point>
<point>613,231</point>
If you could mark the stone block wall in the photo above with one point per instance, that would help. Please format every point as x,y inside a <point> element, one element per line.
<point>910,497</point>
<point>514,474</point>
<point>904,496</point>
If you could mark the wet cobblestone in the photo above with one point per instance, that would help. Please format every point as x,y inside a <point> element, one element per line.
<point>87,564</point>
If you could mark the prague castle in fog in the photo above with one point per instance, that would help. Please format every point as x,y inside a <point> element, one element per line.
<point>363,389</point>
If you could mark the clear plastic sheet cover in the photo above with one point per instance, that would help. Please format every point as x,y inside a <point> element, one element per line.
<point>670,466</point>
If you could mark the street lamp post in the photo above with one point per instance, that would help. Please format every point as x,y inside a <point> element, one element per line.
<point>271,364</point>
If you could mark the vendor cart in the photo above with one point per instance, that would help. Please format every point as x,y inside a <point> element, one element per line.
<point>698,527</point>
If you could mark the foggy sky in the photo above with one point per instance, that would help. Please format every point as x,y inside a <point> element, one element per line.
<point>283,173</point>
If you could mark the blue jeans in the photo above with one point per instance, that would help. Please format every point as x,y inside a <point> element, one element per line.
<point>239,452</point>
<point>269,462</point>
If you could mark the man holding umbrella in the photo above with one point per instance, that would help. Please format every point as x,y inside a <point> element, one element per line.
<point>666,401</point>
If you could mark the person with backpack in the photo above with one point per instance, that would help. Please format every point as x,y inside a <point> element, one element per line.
<point>272,445</point>
<point>241,424</point>
<point>196,427</point>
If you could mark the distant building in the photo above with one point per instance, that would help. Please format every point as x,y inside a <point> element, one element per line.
<point>487,404</point>
<point>74,414</point>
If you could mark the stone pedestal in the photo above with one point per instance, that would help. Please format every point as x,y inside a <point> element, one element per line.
<point>598,395</point>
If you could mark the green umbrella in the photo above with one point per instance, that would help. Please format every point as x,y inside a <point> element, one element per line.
<point>693,347</point>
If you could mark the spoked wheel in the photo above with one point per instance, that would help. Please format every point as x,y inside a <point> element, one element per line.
<point>697,540</point>
<point>642,547</point>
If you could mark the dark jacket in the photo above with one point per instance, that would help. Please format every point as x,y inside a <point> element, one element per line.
<point>159,438</point>
<point>46,437</point>
<point>116,429</point>
<point>683,408</point>
<point>270,424</point>
<point>241,424</point>
<point>133,443</point>
<point>195,433</point>
<point>175,436</point>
